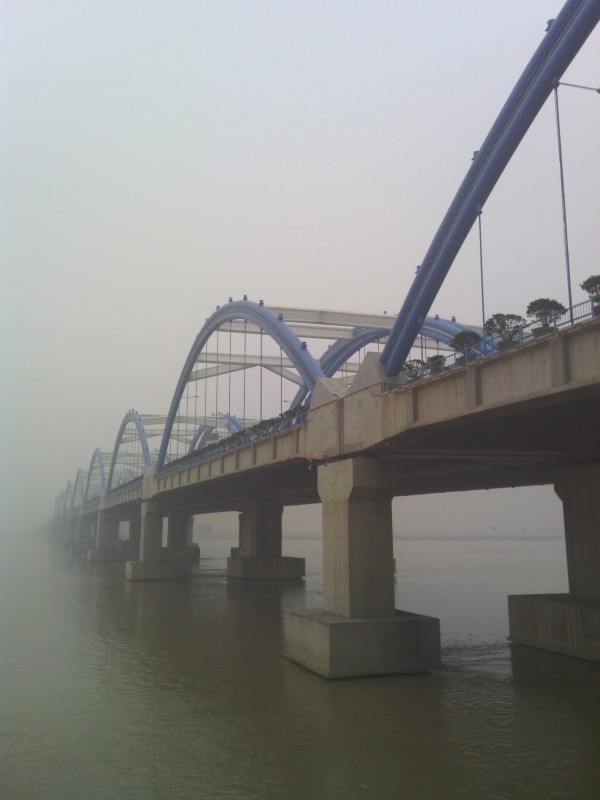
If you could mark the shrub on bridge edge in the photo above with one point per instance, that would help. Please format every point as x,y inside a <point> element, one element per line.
<point>507,328</point>
<point>463,343</point>
<point>545,311</point>
<point>591,285</point>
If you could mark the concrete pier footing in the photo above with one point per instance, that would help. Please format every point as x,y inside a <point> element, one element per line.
<point>284,567</point>
<point>358,631</point>
<point>259,554</point>
<point>339,647</point>
<point>168,570</point>
<point>568,623</point>
<point>109,554</point>
<point>559,623</point>
<point>157,563</point>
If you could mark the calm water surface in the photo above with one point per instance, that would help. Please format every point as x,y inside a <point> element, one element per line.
<point>114,690</point>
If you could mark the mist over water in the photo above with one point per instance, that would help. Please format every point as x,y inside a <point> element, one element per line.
<point>179,690</point>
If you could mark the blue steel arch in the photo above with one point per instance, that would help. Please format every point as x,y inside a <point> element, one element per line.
<point>131,416</point>
<point>562,42</point>
<point>436,328</point>
<point>259,315</point>
<point>79,489</point>
<point>441,330</point>
<point>59,508</point>
<point>97,458</point>
<point>68,500</point>
<point>233,424</point>
<point>200,437</point>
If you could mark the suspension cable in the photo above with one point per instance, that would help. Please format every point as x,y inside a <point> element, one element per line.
<point>480,212</point>
<point>261,377</point>
<point>563,202</point>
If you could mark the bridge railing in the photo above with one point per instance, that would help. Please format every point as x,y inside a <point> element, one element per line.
<point>417,370</point>
<point>263,430</point>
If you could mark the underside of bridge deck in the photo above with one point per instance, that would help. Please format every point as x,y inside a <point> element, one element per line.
<point>522,445</point>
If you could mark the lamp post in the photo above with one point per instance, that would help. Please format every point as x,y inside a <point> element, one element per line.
<point>562,185</point>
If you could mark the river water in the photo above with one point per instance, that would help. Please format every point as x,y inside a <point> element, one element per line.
<point>179,690</point>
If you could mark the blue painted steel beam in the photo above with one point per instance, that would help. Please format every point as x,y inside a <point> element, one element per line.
<point>233,424</point>
<point>437,328</point>
<point>200,437</point>
<point>561,44</point>
<point>276,328</point>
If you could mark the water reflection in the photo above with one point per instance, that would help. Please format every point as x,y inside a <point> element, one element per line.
<point>178,690</point>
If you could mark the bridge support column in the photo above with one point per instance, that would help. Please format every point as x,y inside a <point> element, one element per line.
<point>259,553</point>
<point>107,539</point>
<point>70,535</point>
<point>84,535</point>
<point>358,631</point>
<point>568,623</point>
<point>158,563</point>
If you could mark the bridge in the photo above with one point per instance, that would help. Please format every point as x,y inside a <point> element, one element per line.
<point>281,406</point>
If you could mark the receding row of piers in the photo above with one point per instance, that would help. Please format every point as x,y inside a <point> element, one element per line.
<point>358,631</point>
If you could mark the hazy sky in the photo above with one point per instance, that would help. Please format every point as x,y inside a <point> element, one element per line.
<point>161,157</point>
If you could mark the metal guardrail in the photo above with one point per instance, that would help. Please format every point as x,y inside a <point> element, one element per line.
<point>259,432</point>
<point>492,346</point>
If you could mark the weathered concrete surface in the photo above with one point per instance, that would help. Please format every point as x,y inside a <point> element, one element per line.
<point>158,570</point>
<point>358,631</point>
<point>559,623</point>
<point>338,647</point>
<point>358,552</point>
<point>259,556</point>
<point>568,623</point>
<point>284,567</point>
<point>158,563</point>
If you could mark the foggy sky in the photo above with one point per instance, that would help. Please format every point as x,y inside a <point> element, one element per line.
<point>161,157</point>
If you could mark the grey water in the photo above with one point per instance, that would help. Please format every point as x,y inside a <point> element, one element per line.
<point>179,690</point>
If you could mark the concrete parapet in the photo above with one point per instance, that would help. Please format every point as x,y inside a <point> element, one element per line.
<point>340,647</point>
<point>158,570</point>
<point>559,623</point>
<point>284,567</point>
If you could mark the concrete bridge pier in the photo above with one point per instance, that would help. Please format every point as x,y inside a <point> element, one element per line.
<point>156,562</point>
<point>260,545</point>
<point>69,532</point>
<point>568,623</point>
<point>108,547</point>
<point>358,631</point>
<point>84,534</point>
<point>180,538</point>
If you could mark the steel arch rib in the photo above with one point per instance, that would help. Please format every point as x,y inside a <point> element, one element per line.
<point>78,489</point>
<point>131,416</point>
<point>200,437</point>
<point>332,360</point>
<point>562,42</point>
<point>276,328</point>
<point>96,457</point>
<point>434,327</point>
<point>60,503</point>
<point>69,497</point>
<point>233,424</point>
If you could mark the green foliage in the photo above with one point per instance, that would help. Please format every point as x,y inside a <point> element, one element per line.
<point>504,326</point>
<point>413,369</point>
<point>436,362</point>
<point>464,340</point>
<point>591,285</point>
<point>544,310</point>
